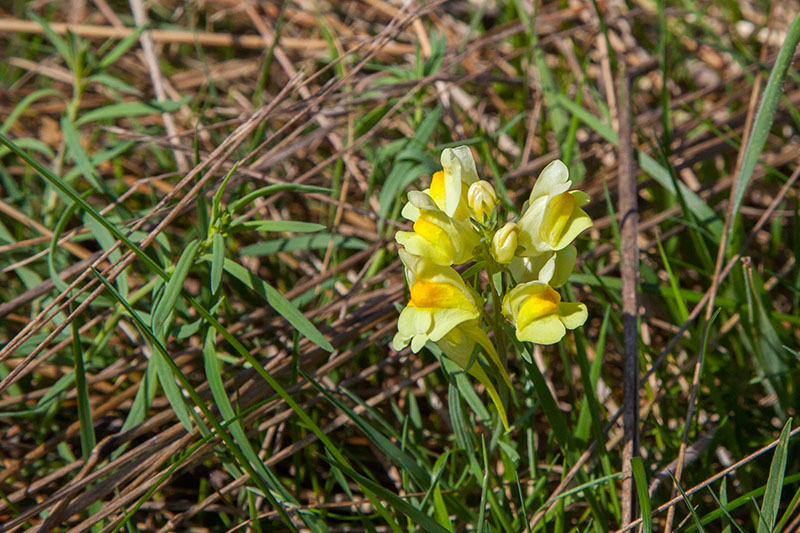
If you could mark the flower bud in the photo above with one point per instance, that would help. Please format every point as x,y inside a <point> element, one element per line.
<point>504,243</point>
<point>481,199</point>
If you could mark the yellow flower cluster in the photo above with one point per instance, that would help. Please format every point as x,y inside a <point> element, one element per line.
<point>456,221</point>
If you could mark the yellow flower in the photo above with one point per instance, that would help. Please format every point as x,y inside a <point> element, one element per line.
<point>442,239</point>
<point>443,309</point>
<point>504,243</point>
<point>481,199</point>
<point>552,268</point>
<point>449,186</point>
<point>538,313</point>
<point>440,301</point>
<point>554,216</point>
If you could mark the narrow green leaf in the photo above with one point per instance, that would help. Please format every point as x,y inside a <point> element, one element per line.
<point>304,242</point>
<point>61,46</point>
<point>551,410</point>
<point>740,501</point>
<point>107,242</point>
<point>214,375</point>
<point>25,104</point>
<point>276,225</point>
<point>409,164</point>
<point>63,220</point>
<point>417,473</point>
<point>88,439</point>
<point>99,157</point>
<point>278,302</point>
<point>131,109</point>
<point>174,286</point>
<point>217,200</point>
<point>777,470</point>
<point>249,198</point>
<point>217,260</point>
<point>121,47</point>
<point>78,155</point>
<point>696,519</point>
<point>765,116</point>
<point>640,477</point>
<point>172,392</point>
<point>113,83</point>
<point>484,488</point>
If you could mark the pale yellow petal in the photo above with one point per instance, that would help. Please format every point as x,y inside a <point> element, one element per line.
<point>573,314</point>
<point>564,264</point>
<point>400,341</point>
<point>553,180</point>
<point>546,330</point>
<point>418,342</point>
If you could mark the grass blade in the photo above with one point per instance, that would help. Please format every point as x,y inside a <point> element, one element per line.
<point>131,109</point>
<point>765,116</point>
<point>640,477</point>
<point>88,439</point>
<point>174,287</point>
<point>278,302</point>
<point>217,260</point>
<point>777,470</point>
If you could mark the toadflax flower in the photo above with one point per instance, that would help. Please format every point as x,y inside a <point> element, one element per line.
<point>440,238</point>
<point>440,301</point>
<point>450,185</point>
<point>554,216</point>
<point>458,219</point>
<point>537,312</point>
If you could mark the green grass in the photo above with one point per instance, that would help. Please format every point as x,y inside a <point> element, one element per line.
<point>211,349</point>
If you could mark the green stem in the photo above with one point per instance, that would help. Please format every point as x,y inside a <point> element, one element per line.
<point>497,322</point>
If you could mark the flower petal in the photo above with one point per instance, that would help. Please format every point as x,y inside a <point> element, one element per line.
<point>563,266</point>
<point>573,314</point>
<point>553,180</point>
<point>546,330</point>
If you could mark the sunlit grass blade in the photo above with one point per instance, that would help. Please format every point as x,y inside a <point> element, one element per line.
<point>777,470</point>
<point>765,116</point>
<point>740,501</point>
<point>217,261</point>
<point>173,288</point>
<point>278,302</point>
<point>131,109</point>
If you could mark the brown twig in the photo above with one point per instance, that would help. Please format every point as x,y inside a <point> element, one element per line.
<point>149,49</point>
<point>11,25</point>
